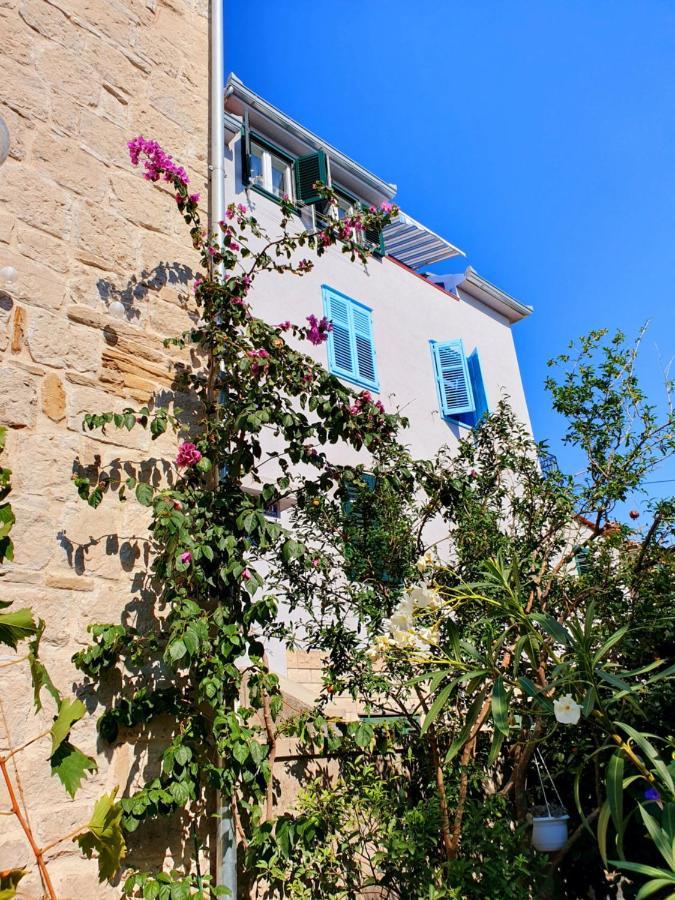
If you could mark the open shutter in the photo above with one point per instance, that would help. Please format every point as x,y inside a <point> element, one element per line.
<point>478,387</point>
<point>341,355</point>
<point>374,238</point>
<point>307,170</point>
<point>245,147</point>
<point>452,378</point>
<point>364,345</point>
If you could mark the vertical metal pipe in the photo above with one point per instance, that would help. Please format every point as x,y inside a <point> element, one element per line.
<point>226,838</point>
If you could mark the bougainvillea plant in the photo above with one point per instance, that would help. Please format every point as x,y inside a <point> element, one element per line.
<point>267,417</point>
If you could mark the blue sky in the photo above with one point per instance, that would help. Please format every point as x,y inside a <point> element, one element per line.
<point>538,136</point>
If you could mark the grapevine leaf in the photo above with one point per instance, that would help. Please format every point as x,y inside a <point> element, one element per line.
<point>70,765</point>
<point>104,836</point>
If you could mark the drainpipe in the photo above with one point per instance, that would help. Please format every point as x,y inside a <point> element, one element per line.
<point>226,839</point>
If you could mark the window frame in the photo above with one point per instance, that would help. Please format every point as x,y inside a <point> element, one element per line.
<point>469,419</point>
<point>269,152</point>
<point>352,377</point>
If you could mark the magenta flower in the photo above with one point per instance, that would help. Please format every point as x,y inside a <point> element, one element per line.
<point>188,455</point>
<point>318,330</point>
<point>284,326</point>
<point>186,557</point>
<point>229,212</point>
<point>157,161</point>
<point>242,209</point>
<point>245,575</point>
<point>194,198</point>
<point>386,207</point>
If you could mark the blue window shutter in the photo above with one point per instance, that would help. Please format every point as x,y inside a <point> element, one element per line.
<point>340,353</point>
<point>351,351</point>
<point>363,345</point>
<point>478,386</point>
<point>452,378</point>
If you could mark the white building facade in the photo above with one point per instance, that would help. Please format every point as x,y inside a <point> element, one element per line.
<point>439,349</point>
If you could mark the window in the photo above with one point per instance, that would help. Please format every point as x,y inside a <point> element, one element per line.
<point>269,171</point>
<point>351,352</point>
<point>459,381</point>
<point>582,560</point>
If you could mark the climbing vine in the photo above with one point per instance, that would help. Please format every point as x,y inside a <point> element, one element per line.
<point>267,417</point>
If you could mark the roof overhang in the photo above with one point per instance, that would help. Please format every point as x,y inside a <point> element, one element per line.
<point>344,170</point>
<point>481,289</point>
<point>415,245</point>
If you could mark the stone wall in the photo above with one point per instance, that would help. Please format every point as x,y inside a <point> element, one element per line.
<point>78,78</point>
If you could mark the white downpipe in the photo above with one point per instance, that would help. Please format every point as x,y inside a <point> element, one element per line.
<point>226,847</point>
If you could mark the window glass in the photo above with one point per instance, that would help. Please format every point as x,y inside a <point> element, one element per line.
<point>280,177</point>
<point>256,164</point>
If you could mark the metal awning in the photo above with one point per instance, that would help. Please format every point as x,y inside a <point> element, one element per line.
<point>414,245</point>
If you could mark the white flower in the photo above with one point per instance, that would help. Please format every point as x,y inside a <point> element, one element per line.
<point>567,710</point>
<point>424,562</point>
<point>424,598</point>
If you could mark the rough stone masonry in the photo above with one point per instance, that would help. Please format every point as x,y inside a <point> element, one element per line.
<point>78,78</point>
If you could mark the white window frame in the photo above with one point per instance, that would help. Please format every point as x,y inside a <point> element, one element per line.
<point>267,184</point>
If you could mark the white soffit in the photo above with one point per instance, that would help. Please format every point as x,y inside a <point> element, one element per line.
<point>414,245</point>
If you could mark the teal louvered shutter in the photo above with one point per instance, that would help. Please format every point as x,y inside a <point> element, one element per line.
<point>452,378</point>
<point>340,354</point>
<point>478,387</point>
<point>309,169</point>
<point>363,344</point>
<point>351,349</point>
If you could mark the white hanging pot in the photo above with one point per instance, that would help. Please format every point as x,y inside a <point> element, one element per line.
<point>549,832</point>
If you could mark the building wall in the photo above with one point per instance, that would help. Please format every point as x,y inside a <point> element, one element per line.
<point>78,78</point>
<point>408,312</point>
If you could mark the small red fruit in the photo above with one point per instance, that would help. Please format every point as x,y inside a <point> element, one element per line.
<point>634,514</point>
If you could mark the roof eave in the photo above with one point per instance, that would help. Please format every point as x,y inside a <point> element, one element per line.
<point>236,86</point>
<point>488,293</point>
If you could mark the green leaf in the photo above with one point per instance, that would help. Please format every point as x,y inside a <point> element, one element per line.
<point>500,706</point>
<point>642,869</point>
<point>16,626</point>
<point>204,464</point>
<point>603,822</point>
<point>495,747</point>
<point>177,650</point>
<point>471,717</point>
<point>609,643</point>
<point>439,702</point>
<point>651,753</point>
<point>104,836</point>
<point>363,735</point>
<point>651,887</point>
<point>144,493</point>
<point>615,795</point>
<point>70,711</point>
<point>553,627</point>
<point>9,879</point>
<point>659,836</point>
<point>70,765</point>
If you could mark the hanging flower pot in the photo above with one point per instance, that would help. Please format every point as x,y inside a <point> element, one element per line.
<point>549,828</point>
<point>549,822</point>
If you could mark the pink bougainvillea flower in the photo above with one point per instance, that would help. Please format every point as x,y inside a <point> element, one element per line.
<point>187,455</point>
<point>242,208</point>
<point>194,198</point>
<point>284,326</point>
<point>245,575</point>
<point>186,557</point>
<point>386,207</point>
<point>157,161</point>
<point>318,330</point>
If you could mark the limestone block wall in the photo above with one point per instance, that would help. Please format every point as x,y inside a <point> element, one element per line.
<point>78,78</point>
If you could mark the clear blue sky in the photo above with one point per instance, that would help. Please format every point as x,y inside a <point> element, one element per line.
<point>538,136</point>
